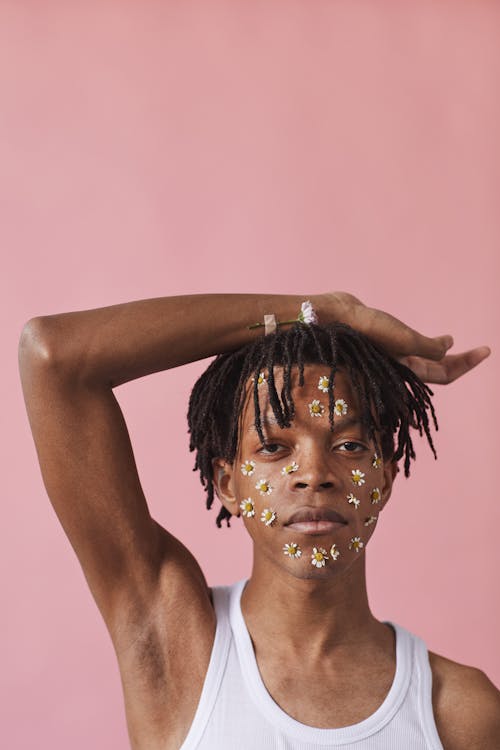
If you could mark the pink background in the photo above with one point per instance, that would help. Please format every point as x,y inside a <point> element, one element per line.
<point>158,148</point>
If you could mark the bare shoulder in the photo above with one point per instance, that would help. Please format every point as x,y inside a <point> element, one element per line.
<point>466,706</point>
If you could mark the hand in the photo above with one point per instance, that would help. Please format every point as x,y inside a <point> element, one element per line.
<point>425,356</point>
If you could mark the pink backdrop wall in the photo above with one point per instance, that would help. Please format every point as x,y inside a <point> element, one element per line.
<point>157,148</point>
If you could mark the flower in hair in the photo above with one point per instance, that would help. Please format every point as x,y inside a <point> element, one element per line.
<point>292,550</point>
<point>375,495</point>
<point>289,469</point>
<point>264,487</point>
<point>316,408</point>
<point>248,468</point>
<point>353,500</point>
<point>267,516</point>
<point>247,508</point>
<point>377,461</point>
<point>319,557</point>
<point>340,407</point>
<point>357,477</point>
<point>334,552</point>
<point>370,520</point>
<point>323,383</point>
<point>356,543</point>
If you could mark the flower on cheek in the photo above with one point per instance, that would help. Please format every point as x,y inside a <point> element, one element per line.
<point>267,516</point>
<point>356,543</point>
<point>375,495</point>
<point>357,477</point>
<point>340,408</point>
<point>370,520</point>
<point>323,384</point>
<point>289,469</point>
<point>248,468</point>
<point>353,500</point>
<point>376,462</point>
<point>319,557</point>
<point>292,550</point>
<point>316,408</point>
<point>264,487</point>
<point>247,507</point>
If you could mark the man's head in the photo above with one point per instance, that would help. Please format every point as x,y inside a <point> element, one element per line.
<point>258,385</point>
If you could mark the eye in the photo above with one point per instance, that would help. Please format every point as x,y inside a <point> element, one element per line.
<point>350,446</point>
<point>270,448</point>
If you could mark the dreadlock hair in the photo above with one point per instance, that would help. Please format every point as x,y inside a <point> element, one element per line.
<point>391,397</point>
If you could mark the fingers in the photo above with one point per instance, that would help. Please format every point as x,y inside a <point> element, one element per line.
<point>449,368</point>
<point>400,339</point>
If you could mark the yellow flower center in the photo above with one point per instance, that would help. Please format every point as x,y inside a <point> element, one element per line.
<point>318,556</point>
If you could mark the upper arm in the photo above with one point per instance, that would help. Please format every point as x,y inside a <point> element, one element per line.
<point>466,706</point>
<point>89,471</point>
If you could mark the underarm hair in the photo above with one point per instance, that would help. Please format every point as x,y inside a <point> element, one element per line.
<point>392,399</point>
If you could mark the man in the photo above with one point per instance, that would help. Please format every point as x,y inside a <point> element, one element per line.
<point>308,462</point>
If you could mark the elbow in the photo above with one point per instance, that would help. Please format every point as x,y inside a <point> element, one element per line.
<point>38,343</point>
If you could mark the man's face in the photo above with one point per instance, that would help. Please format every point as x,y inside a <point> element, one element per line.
<point>309,498</point>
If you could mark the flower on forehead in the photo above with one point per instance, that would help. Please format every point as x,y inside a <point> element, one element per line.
<point>248,468</point>
<point>267,516</point>
<point>375,495</point>
<point>323,383</point>
<point>357,477</point>
<point>353,500</point>
<point>370,520</point>
<point>319,557</point>
<point>261,379</point>
<point>289,469</point>
<point>264,487</point>
<point>247,508</point>
<point>356,543</point>
<point>316,408</point>
<point>377,461</point>
<point>307,314</point>
<point>340,407</point>
<point>334,552</point>
<point>292,550</point>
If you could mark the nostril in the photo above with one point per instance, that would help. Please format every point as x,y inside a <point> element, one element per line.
<point>301,485</point>
<point>326,485</point>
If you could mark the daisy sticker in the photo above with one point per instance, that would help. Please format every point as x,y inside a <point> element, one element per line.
<point>262,378</point>
<point>323,383</point>
<point>316,409</point>
<point>357,477</point>
<point>264,487</point>
<point>334,552</point>
<point>319,557</point>
<point>375,495</point>
<point>268,516</point>
<point>247,508</point>
<point>376,462</point>
<point>248,468</point>
<point>353,500</point>
<point>289,469</point>
<point>292,550</point>
<point>370,520</point>
<point>356,543</point>
<point>340,408</point>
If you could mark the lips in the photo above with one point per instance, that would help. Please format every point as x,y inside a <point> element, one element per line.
<point>315,514</point>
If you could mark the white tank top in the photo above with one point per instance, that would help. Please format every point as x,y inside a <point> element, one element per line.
<point>235,711</point>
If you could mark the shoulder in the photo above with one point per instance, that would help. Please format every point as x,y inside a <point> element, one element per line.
<point>466,705</point>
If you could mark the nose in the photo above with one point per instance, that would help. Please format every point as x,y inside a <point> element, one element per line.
<point>315,470</point>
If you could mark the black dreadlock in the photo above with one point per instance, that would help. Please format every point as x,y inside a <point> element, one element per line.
<point>391,397</point>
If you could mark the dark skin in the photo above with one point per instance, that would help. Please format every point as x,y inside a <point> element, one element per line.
<point>149,588</point>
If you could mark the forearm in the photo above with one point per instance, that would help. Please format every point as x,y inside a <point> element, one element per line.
<point>123,342</point>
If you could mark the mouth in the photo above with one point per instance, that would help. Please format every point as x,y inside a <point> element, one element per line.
<point>315,521</point>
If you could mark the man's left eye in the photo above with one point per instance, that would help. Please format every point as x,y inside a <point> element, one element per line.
<point>350,446</point>
<point>270,448</point>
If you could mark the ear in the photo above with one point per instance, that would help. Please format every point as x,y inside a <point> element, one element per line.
<point>391,468</point>
<point>224,485</point>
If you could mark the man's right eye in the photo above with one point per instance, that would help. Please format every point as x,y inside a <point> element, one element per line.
<point>269,448</point>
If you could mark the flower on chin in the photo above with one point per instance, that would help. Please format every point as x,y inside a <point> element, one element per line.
<point>356,543</point>
<point>370,520</point>
<point>264,487</point>
<point>323,383</point>
<point>248,468</point>
<point>267,516</point>
<point>334,552</point>
<point>357,477</point>
<point>353,500</point>
<point>340,408</point>
<point>247,507</point>
<point>316,408</point>
<point>289,469</point>
<point>319,557</point>
<point>292,550</point>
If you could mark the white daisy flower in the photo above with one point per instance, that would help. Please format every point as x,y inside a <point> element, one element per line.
<point>264,487</point>
<point>267,516</point>
<point>292,550</point>
<point>323,383</point>
<point>289,469</point>
<point>357,477</point>
<point>319,557</point>
<point>375,495</point>
<point>262,378</point>
<point>356,543</point>
<point>247,507</point>
<point>248,468</point>
<point>370,520</point>
<point>334,552</point>
<point>340,408</point>
<point>353,500</point>
<point>376,462</point>
<point>316,408</point>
